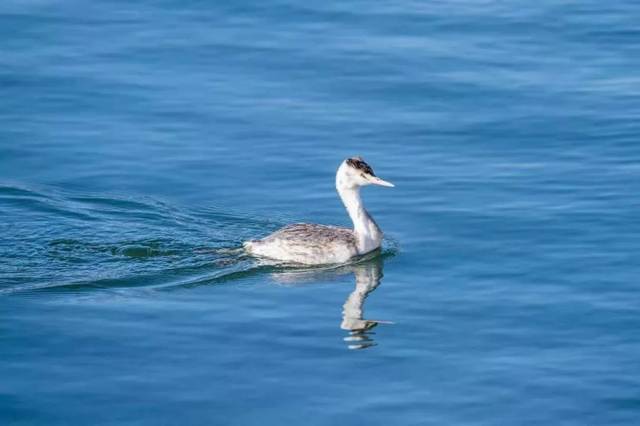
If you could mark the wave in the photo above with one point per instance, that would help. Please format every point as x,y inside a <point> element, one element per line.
<point>67,243</point>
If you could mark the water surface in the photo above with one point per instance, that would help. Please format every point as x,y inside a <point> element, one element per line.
<point>140,144</point>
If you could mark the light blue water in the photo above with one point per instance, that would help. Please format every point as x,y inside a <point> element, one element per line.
<point>142,142</point>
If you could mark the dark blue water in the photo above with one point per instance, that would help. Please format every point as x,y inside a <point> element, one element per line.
<point>142,142</point>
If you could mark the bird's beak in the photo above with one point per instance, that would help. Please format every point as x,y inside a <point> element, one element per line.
<point>377,181</point>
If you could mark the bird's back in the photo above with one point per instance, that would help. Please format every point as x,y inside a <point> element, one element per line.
<point>307,243</point>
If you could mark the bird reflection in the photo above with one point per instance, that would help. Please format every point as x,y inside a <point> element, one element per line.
<point>368,275</point>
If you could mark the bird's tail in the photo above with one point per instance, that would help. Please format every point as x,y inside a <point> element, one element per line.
<point>248,246</point>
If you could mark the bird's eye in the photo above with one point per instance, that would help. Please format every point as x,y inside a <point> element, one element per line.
<point>362,174</point>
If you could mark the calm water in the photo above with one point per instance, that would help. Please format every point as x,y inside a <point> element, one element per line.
<point>141,143</point>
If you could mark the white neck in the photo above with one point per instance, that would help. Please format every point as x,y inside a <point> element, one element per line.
<point>368,234</point>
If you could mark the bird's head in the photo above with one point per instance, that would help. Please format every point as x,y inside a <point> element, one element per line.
<point>354,172</point>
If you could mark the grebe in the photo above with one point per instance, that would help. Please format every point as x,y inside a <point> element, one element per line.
<point>313,244</point>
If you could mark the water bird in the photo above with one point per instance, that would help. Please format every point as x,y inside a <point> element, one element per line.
<point>313,244</point>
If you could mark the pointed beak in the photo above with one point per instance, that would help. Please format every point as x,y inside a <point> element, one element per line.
<point>377,181</point>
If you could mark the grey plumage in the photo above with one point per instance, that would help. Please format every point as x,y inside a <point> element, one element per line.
<point>305,241</point>
<point>321,234</point>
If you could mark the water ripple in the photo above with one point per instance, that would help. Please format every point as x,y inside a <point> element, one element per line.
<point>83,243</point>
<point>79,242</point>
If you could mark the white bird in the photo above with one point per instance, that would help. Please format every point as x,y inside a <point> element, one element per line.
<point>313,244</point>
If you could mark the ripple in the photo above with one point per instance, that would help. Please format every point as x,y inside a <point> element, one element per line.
<point>70,242</point>
<point>88,242</point>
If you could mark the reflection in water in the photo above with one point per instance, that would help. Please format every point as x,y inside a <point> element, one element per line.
<point>368,274</point>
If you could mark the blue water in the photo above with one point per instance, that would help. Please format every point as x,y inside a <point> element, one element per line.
<point>142,142</point>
